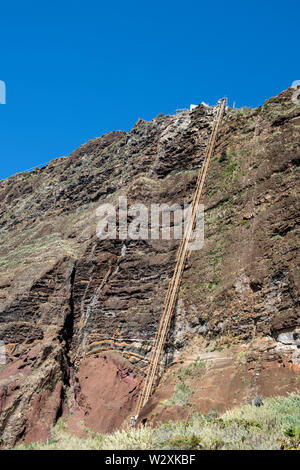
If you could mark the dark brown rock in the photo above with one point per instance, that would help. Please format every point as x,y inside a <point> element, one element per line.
<point>78,315</point>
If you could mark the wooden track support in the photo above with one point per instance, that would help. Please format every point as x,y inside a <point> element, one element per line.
<point>170,300</point>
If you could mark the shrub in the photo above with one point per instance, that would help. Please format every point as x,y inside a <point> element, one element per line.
<point>276,425</point>
<point>181,396</point>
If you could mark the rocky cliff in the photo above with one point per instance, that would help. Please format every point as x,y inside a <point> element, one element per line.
<point>78,314</point>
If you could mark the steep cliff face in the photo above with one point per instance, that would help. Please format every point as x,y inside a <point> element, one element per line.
<point>78,314</point>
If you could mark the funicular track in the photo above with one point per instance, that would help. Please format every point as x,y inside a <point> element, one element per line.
<point>170,300</point>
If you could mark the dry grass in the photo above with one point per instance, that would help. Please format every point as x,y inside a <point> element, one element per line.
<point>275,425</point>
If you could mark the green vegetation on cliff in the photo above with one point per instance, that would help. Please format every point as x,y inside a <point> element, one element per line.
<point>275,425</point>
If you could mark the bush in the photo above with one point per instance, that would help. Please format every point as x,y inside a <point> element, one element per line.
<point>276,425</point>
<point>181,396</point>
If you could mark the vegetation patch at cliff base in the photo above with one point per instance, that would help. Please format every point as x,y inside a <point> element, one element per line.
<point>274,425</point>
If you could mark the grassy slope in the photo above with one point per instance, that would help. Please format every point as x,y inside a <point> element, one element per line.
<point>275,425</point>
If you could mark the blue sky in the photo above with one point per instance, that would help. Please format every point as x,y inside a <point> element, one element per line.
<point>77,69</point>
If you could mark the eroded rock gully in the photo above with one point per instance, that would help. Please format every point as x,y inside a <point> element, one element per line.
<point>78,315</point>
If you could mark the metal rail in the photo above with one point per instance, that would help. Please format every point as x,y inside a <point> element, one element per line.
<point>170,300</point>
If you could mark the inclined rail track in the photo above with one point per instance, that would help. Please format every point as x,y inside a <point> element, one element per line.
<point>170,300</point>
